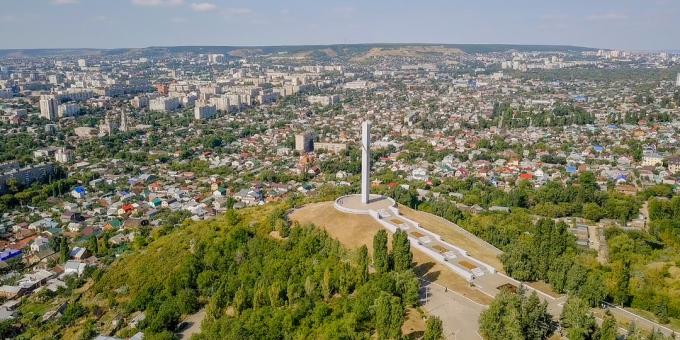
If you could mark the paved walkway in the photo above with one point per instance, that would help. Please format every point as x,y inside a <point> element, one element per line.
<point>451,256</point>
<point>459,315</point>
<point>639,321</point>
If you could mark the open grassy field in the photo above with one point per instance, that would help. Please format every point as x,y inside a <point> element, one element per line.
<point>353,231</point>
<point>455,235</point>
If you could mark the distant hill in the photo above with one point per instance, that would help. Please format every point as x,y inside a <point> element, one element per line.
<point>240,51</point>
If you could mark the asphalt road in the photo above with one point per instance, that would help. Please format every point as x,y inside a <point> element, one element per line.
<point>194,327</point>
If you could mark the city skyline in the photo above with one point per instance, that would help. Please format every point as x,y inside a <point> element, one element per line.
<point>260,169</point>
<point>629,25</point>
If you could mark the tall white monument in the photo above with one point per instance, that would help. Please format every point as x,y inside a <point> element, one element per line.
<point>365,162</point>
<point>364,203</point>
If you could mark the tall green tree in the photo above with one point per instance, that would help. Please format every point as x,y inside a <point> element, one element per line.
<point>94,245</point>
<point>326,284</point>
<point>433,329</point>
<point>536,322</point>
<point>389,316</point>
<point>516,316</point>
<point>63,250</point>
<point>501,320</point>
<point>593,291</point>
<point>381,260</point>
<point>608,330</point>
<point>620,274</point>
<point>401,251</point>
<point>519,259</point>
<point>577,319</point>
<point>362,264</point>
<point>105,244</point>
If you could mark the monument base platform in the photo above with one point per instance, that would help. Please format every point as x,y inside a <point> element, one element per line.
<point>352,204</point>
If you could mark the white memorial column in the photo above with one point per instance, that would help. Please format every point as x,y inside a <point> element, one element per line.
<point>365,162</point>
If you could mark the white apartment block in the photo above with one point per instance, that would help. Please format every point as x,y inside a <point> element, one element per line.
<point>203,111</point>
<point>164,104</point>
<point>140,102</point>
<point>221,103</point>
<point>239,100</point>
<point>356,85</point>
<point>324,100</point>
<point>63,155</point>
<point>335,148</point>
<point>68,110</point>
<point>215,58</point>
<point>48,107</point>
<point>75,94</point>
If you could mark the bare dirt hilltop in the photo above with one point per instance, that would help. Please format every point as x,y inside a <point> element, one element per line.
<point>408,52</point>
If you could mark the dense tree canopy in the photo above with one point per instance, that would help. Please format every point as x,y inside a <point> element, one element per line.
<point>255,286</point>
<point>516,316</point>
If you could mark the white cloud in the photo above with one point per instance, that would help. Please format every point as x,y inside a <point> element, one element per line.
<point>157,3</point>
<point>203,7</point>
<point>237,11</point>
<point>65,2</point>
<point>607,16</point>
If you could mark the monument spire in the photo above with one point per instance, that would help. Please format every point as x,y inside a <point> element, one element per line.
<point>364,203</point>
<point>365,162</point>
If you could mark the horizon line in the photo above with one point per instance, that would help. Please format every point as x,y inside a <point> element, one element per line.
<point>306,45</point>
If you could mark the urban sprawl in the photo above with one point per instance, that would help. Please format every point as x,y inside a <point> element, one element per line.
<point>101,153</point>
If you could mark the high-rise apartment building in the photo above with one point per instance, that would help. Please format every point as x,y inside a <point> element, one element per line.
<point>68,110</point>
<point>164,104</point>
<point>124,125</point>
<point>215,58</point>
<point>204,111</point>
<point>304,142</point>
<point>48,107</point>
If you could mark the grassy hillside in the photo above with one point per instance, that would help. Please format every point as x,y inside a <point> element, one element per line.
<point>256,276</point>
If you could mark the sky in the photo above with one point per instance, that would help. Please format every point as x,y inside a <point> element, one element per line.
<point>621,24</point>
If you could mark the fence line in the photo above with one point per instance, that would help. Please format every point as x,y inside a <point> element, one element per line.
<point>618,308</point>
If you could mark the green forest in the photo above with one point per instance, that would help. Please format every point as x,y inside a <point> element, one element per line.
<point>643,267</point>
<point>580,197</point>
<point>257,277</point>
<point>505,116</point>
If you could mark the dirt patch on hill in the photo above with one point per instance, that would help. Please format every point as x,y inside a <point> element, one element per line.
<point>414,324</point>
<point>409,52</point>
<point>353,231</point>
